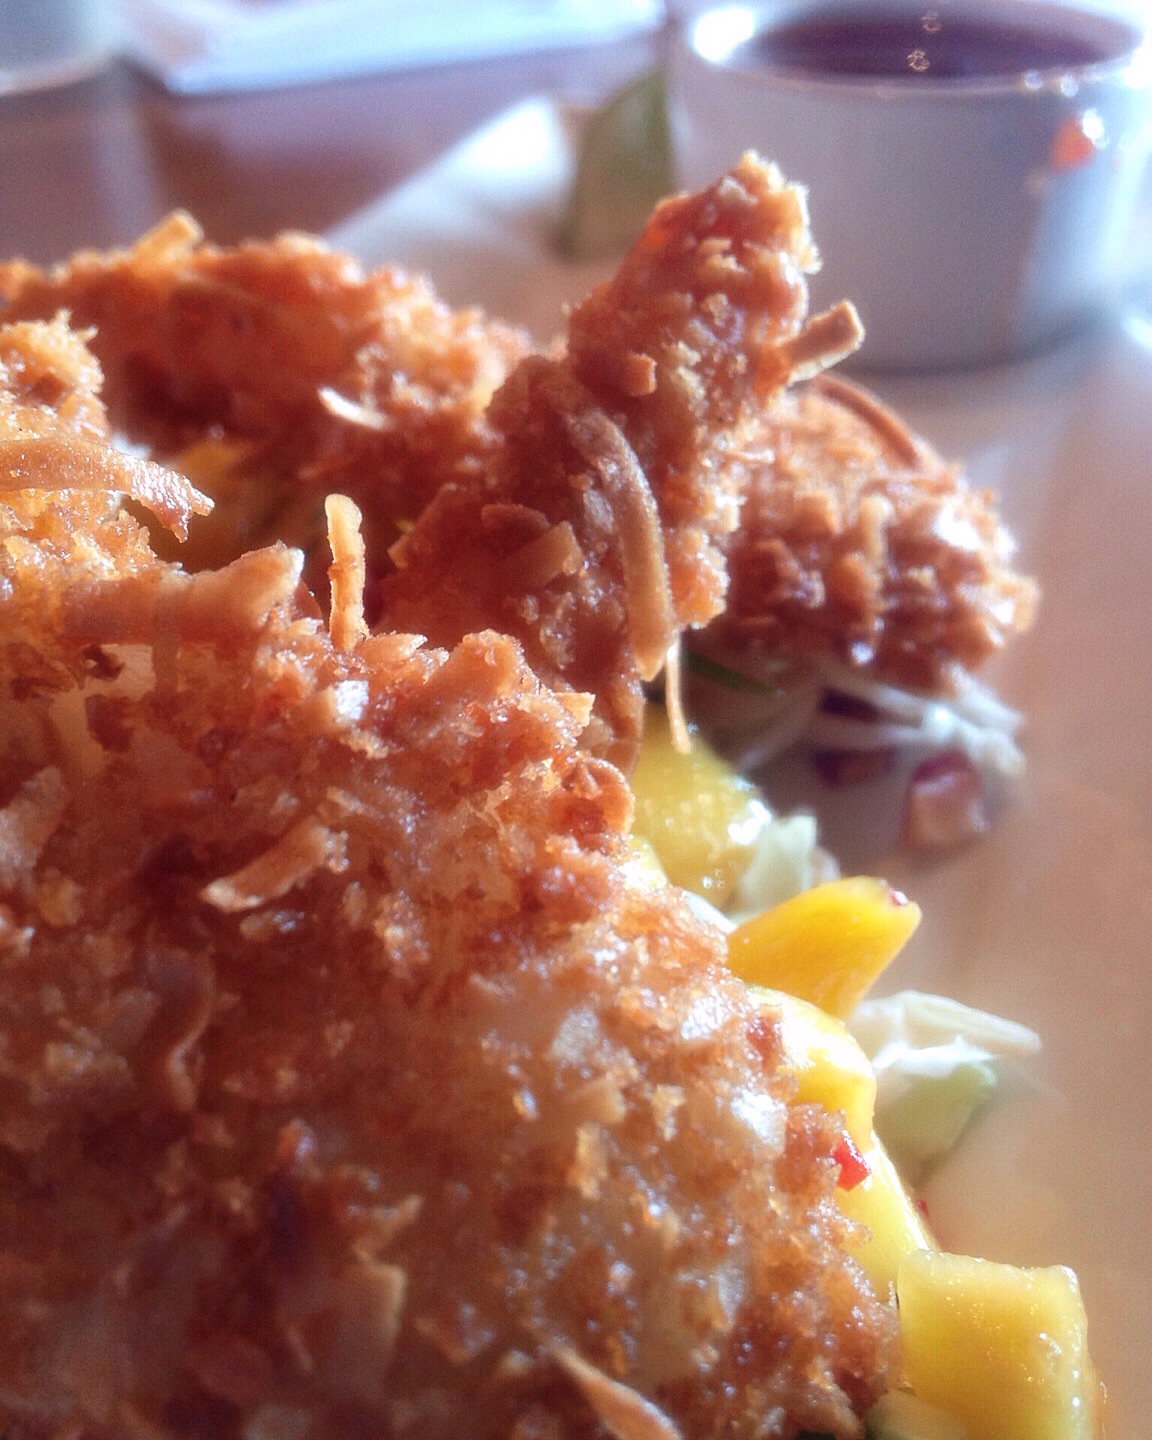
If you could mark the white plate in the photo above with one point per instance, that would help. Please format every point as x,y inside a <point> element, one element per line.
<point>1049,919</point>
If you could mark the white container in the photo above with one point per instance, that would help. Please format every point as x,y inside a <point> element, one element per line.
<point>969,220</point>
<point>53,42</point>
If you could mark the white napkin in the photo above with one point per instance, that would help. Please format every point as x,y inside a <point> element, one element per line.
<point>202,45</point>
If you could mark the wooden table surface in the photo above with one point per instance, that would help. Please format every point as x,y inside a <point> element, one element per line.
<point>97,163</point>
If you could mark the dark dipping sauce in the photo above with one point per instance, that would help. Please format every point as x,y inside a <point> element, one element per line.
<point>926,44</point>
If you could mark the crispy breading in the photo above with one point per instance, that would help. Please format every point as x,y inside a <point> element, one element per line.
<point>854,538</point>
<point>595,534</point>
<point>858,540</point>
<point>581,512</point>
<point>334,380</point>
<point>353,1081</point>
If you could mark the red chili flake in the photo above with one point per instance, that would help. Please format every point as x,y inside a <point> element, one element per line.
<point>853,1166</point>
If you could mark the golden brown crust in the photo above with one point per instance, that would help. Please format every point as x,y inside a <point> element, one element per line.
<point>366,384</point>
<point>352,1084</point>
<point>582,512</point>
<point>628,447</point>
<point>708,300</point>
<point>856,539</point>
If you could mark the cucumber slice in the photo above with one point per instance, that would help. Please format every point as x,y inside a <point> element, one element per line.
<point>927,1118</point>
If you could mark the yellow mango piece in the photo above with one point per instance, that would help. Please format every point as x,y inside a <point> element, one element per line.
<point>1003,1348</point>
<point>828,1065</point>
<point>895,1227</point>
<point>696,812</point>
<point>832,1071</point>
<point>826,945</point>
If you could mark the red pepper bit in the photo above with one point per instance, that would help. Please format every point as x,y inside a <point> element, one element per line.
<point>853,1166</point>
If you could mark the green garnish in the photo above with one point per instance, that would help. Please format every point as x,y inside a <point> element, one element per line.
<point>723,675</point>
<point>623,167</point>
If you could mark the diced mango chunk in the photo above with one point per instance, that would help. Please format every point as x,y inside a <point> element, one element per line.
<point>826,945</point>
<point>895,1226</point>
<point>828,1065</point>
<point>696,812</point>
<point>831,1070</point>
<point>1003,1348</point>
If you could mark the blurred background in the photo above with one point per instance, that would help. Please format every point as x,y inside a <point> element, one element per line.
<point>258,115</point>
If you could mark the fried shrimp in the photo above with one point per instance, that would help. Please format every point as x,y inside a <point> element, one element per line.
<point>321,378</point>
<point>858,541</point>
<point>583,511</point>
<point>593,503</point>
<point>595,537</point>
<point>353,1081</point>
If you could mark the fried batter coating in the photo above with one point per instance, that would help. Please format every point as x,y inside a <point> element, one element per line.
<point>352,1082</point>
<point>582,512</point>
<point>595,535</point>
<point>333,379</point>
<point>854,537</point>
<point>857,540</point>
<point>49,386</point>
